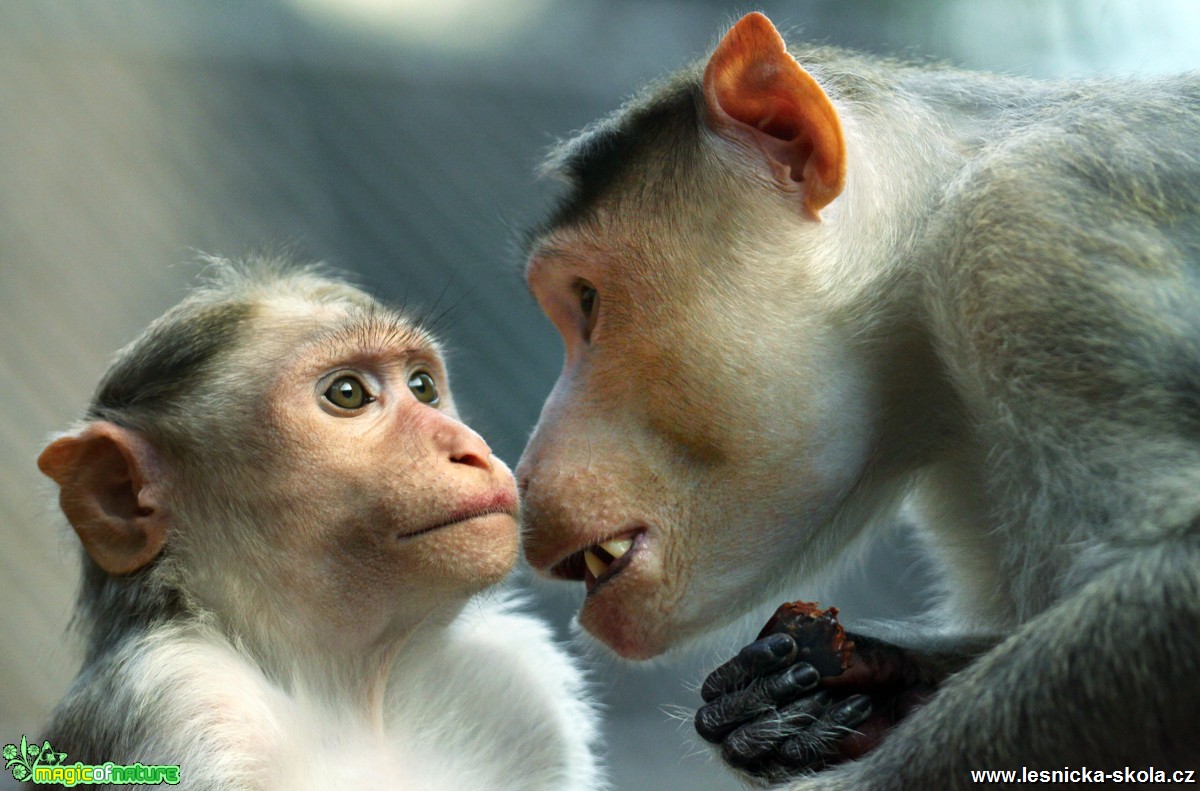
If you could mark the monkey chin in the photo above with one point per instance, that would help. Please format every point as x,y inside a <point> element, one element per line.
<point>620,613</point>
<point>624,635</point>
<point>633,605</point>
<point>626,630</point>
<point>471,554</point>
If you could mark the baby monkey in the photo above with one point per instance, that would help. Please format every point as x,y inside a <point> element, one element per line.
<point>291,544</point>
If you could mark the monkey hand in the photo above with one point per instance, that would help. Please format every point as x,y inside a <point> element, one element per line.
<point>778,709</point>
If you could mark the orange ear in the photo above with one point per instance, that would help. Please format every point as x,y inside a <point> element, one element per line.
<point>108,480</point>
<point>755,90</point>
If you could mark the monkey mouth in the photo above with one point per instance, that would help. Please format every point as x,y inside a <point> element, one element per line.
<point>455,520</point>
<point>600,563</point>
<point>502,501</point>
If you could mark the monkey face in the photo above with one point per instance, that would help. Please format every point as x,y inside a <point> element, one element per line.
<point>376,504</point>
<point>703,433</point>
<point>714,414</point>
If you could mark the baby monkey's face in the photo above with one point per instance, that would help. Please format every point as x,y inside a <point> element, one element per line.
<point>370,471</point>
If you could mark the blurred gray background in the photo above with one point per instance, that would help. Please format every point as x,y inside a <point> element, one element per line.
<point>397,140</point>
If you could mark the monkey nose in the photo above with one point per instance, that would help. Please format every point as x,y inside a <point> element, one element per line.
<point>473,460</point>
<point>467,447</point>
<point>456,441</point>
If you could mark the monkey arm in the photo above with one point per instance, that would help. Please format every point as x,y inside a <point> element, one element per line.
<point>1121,649</point>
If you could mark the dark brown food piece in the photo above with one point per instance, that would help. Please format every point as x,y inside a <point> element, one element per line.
<point>821,640</point>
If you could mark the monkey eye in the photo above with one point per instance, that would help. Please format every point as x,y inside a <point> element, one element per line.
<point>587,300</point>
<point>587,306</point>
<point>423,387</point>
<point>349,393</point>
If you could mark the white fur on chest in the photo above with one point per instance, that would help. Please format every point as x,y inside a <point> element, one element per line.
<point>489,703</point>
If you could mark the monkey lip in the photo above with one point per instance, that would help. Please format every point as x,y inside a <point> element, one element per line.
<point>600,563</point>
<point>499,501</point>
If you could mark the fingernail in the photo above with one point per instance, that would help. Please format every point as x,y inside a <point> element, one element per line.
<point>803,675</point>
<point>796,680</point>
<point>780,645</point>
<point>854,710</point>
<point>708,724</point>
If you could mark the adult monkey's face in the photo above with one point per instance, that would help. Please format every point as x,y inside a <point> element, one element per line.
<point>709,423</point>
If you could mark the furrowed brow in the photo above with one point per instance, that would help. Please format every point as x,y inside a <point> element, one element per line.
<point>376,332</point>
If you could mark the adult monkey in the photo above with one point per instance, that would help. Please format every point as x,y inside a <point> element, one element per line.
<point>794,295</point>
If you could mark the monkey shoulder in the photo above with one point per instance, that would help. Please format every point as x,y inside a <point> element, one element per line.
<point>1081,214</point>
<point>508,705</point>
<point>176,694</point>
<point>1097,153</point>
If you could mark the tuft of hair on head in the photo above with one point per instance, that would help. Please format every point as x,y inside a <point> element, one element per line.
<point>261,276</point>
<point>168,358</point>
<point>657,131</point>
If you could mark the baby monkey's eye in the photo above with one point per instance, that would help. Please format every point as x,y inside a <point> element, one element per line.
<point>423,387</point>
<point>348,392</point>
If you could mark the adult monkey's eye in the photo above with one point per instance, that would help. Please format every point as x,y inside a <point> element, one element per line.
<point>587,306</point>
<point>423,387</point>
<point>587,300</point>
<point>348,392</point>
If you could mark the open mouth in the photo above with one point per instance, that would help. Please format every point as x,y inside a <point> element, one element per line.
<point>599,563</point>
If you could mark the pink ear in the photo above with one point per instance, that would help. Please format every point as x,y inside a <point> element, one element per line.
<point>756,91</point>
<point>108,479</point>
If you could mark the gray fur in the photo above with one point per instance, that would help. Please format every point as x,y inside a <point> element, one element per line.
<point>1027,291</point>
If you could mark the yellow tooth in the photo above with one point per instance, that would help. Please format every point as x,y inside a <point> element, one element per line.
<point>594,563</point>
<point>617,546</point>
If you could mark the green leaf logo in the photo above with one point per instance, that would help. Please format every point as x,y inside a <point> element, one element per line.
<point>44,764</point>
<point>22,760</point>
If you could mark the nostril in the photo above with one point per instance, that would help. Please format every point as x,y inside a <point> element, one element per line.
<point>473,460</point>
